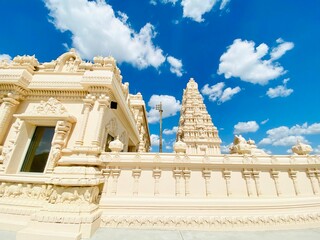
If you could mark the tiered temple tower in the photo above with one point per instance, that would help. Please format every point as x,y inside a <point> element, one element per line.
<point>195,125</point>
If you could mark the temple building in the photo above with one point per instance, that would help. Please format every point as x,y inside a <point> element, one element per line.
<point>74,157</point>
<point>195,125</point>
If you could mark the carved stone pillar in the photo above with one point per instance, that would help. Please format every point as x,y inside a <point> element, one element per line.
<point>6,110</point>
<point>136,173</point>
<point>247,178</point>
<point>293,176</point>
<point>88,104</point>
<point>8,148</point>
<point>115,176</point>
<point>227,176</point>
<point>275,177</point>
<point>103,104</point>
<point>106,173</point>
<point>314,182</point>
<point>156,175</point>
<point>177,175</point>
<point>256,178</point>
<point>206,173</point>
<point>59,141</point>
<point>186,175</point>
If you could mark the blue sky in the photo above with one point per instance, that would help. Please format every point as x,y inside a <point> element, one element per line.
<point>256,62</point>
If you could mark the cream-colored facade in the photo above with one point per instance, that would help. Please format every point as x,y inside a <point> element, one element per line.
<point>97,171</point>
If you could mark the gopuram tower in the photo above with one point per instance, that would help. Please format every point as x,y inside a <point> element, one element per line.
<point>195,125</point>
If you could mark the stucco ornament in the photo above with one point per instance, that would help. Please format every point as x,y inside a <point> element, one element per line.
<point>241,146</point>
<point>116,145</point>
<point>52,106</point>
<point>179,146</point>
<point>301,148</point>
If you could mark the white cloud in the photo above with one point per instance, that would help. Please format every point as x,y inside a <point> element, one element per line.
<point>264,121</point>
<point>96,30</point>
<point>244,127</point>
<point>224,3</point>
<point>280,50</point>
<point>5,57</point>
<point>175,65</point>
<point>225,148</point>
<point>154,139</point>
<point>170,107</point>
<point>194,9</point>
<point>284,136</point>
<point>228,93</point>
<point>242,59</point>
<point>217,93</point>
<point>280,91</point>
<point>170,131</point>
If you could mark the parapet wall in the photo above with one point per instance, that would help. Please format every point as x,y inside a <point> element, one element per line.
<point>174,191</point>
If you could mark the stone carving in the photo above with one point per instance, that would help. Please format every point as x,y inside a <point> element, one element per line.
<point>2,189</point>
<point>13,190</point>
<point>7,149</point>
<point>25,60</point>
<point>69,65</point>
<point>50,193</point>
<point>59,141</point>
<point>241,146</point>
<point>301,148</point>
<point>50,107</point>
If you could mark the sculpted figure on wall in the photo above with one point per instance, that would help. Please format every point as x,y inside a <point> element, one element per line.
<point>50,193</point>
<point>8,148</point>
<point>241,146</point>
<point>301,148</point>
<point>52,106</point>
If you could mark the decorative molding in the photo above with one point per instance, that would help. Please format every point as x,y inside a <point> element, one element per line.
<point>212,223</point>
<point>49,193</point>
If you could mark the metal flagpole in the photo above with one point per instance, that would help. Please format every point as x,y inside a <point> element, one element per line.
<point>159,107</point>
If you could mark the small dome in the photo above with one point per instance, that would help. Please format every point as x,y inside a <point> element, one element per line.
<point>116,145</point>
<point>180,147</point>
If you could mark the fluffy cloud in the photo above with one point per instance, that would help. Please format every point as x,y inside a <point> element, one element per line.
<point>175,65</point>
<point>283,47</point>
<point>225,148</point>
<point>217,93</point>
<point>242,59</point>
<point>96,30</point>
<point>244,127</point>
<point>284,136</point>
<point>154,139</point>
<point>280,91</point>
<point>170,107</point>
<point>194,9</point>
<point>5,57</point>
<point>170,131</point>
